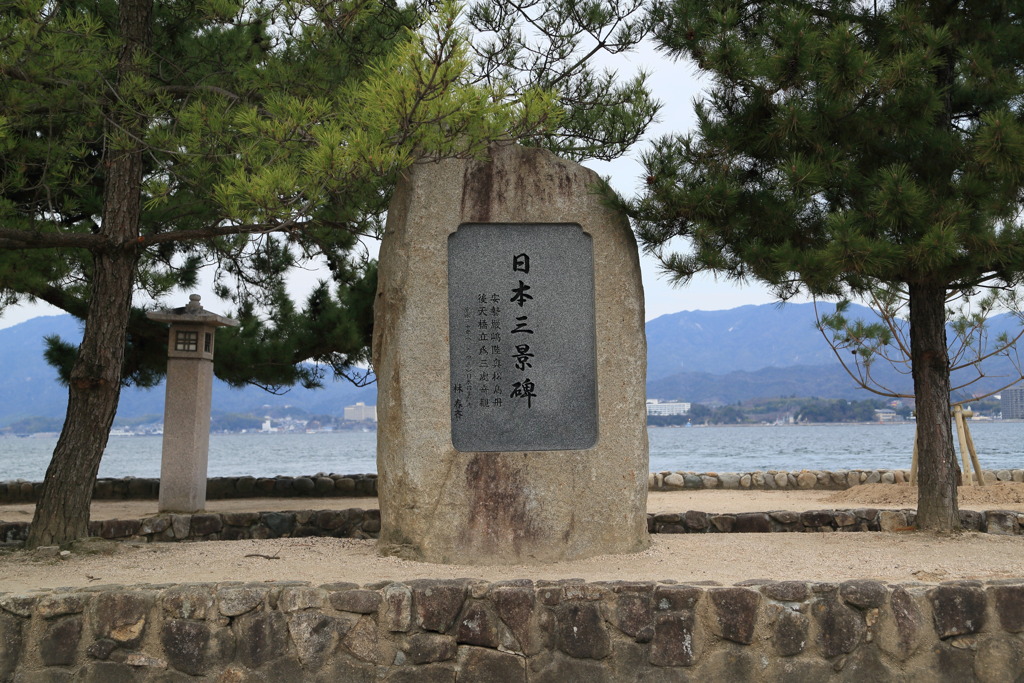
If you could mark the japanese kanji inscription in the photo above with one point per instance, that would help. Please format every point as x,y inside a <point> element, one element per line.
<point>522,337</point>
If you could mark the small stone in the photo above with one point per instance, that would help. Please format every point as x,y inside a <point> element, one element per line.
<point>397,614</point>
<point>709,482</point>
<point>141,660</point>
<point>844,518</point>
<point>785,591</point>
<point>1002,522</point>
<point>675,480</point>
<point>781,480</point>
<point>892,520</point>
<point>1017,475</point>
<point>745,481</point>
<point>888,478</point>
<point>873,477</point>
<point>301,598</point>
<point>806,480</point>
<point>729,481</point>
<point>303,485</point>
<point>758,480</point>
<point>852,479</point>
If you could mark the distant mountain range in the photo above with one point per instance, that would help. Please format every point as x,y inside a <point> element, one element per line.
<point>698,356</point>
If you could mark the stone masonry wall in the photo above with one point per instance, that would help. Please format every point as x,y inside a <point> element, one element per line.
<point>322,485</point>
<point>359,523</point>
<point>516,631</point>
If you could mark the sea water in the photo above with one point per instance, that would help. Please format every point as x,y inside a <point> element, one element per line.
<point>1000,445</point>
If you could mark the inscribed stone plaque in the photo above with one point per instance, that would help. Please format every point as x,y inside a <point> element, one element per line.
<point>522,337</point>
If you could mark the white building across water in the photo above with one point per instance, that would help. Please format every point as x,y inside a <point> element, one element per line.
<point>658,407</point>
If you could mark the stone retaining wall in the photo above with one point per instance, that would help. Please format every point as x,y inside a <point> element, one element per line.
<point>322,485</point>
<point>358,523</point>
<point>517,631</point>
<point>319,485</point>
<point>804,479</point>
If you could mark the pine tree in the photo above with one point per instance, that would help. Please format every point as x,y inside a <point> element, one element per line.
<point>141,141</point>
<point>843,145</point>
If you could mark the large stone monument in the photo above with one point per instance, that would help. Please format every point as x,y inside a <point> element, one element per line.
<point>511,360</point>
<point>189,392</point>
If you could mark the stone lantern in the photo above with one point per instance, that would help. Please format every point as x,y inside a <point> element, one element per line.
<point>186,442</point>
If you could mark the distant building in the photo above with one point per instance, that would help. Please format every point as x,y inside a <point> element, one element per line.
<point>361,412</point>
<point>886,415</point>
<point>1012,403</point>
<point>658,407</point>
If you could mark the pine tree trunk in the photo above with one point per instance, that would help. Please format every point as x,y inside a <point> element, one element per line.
<point>62,512</point>
<point>936,474</point>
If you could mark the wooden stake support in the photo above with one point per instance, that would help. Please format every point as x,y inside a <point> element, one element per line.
<point>968,454</point>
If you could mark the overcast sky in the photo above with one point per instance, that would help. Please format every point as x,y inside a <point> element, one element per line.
<point>676,86</point>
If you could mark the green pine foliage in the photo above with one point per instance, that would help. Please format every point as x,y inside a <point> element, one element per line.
<point>844,147</point>
<point>273,132</point>
<point>839,145</point>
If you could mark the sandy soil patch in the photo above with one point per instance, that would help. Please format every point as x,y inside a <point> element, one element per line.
<point>723,558</point>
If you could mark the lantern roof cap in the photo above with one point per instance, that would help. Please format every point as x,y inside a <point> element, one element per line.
<point>192,312</point>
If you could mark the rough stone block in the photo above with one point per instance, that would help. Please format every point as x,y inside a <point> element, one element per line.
<point>426,648</point>
<point>752,522</point>
<point>515,606</point>
<point>206,523</point>
<point>581,631</point>
<point>957,609</point>
<point>122,616</point>
<point>516,505</point>
<point>841,628</point>
<point>1009,604</point>
<point>736,613</point>
<point>59,644</point>
<point>789,635</point>
<point>478,626</point>
<point>437,604</point>
<point>237,600</point>
<point>59,604</point>
<point>695,520</point>
<point>863,593</point>
<point>675,598</point>
<point>673,642</point>
<point>185,645</point>
<point>479,664</point>
<point>262,637</point>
